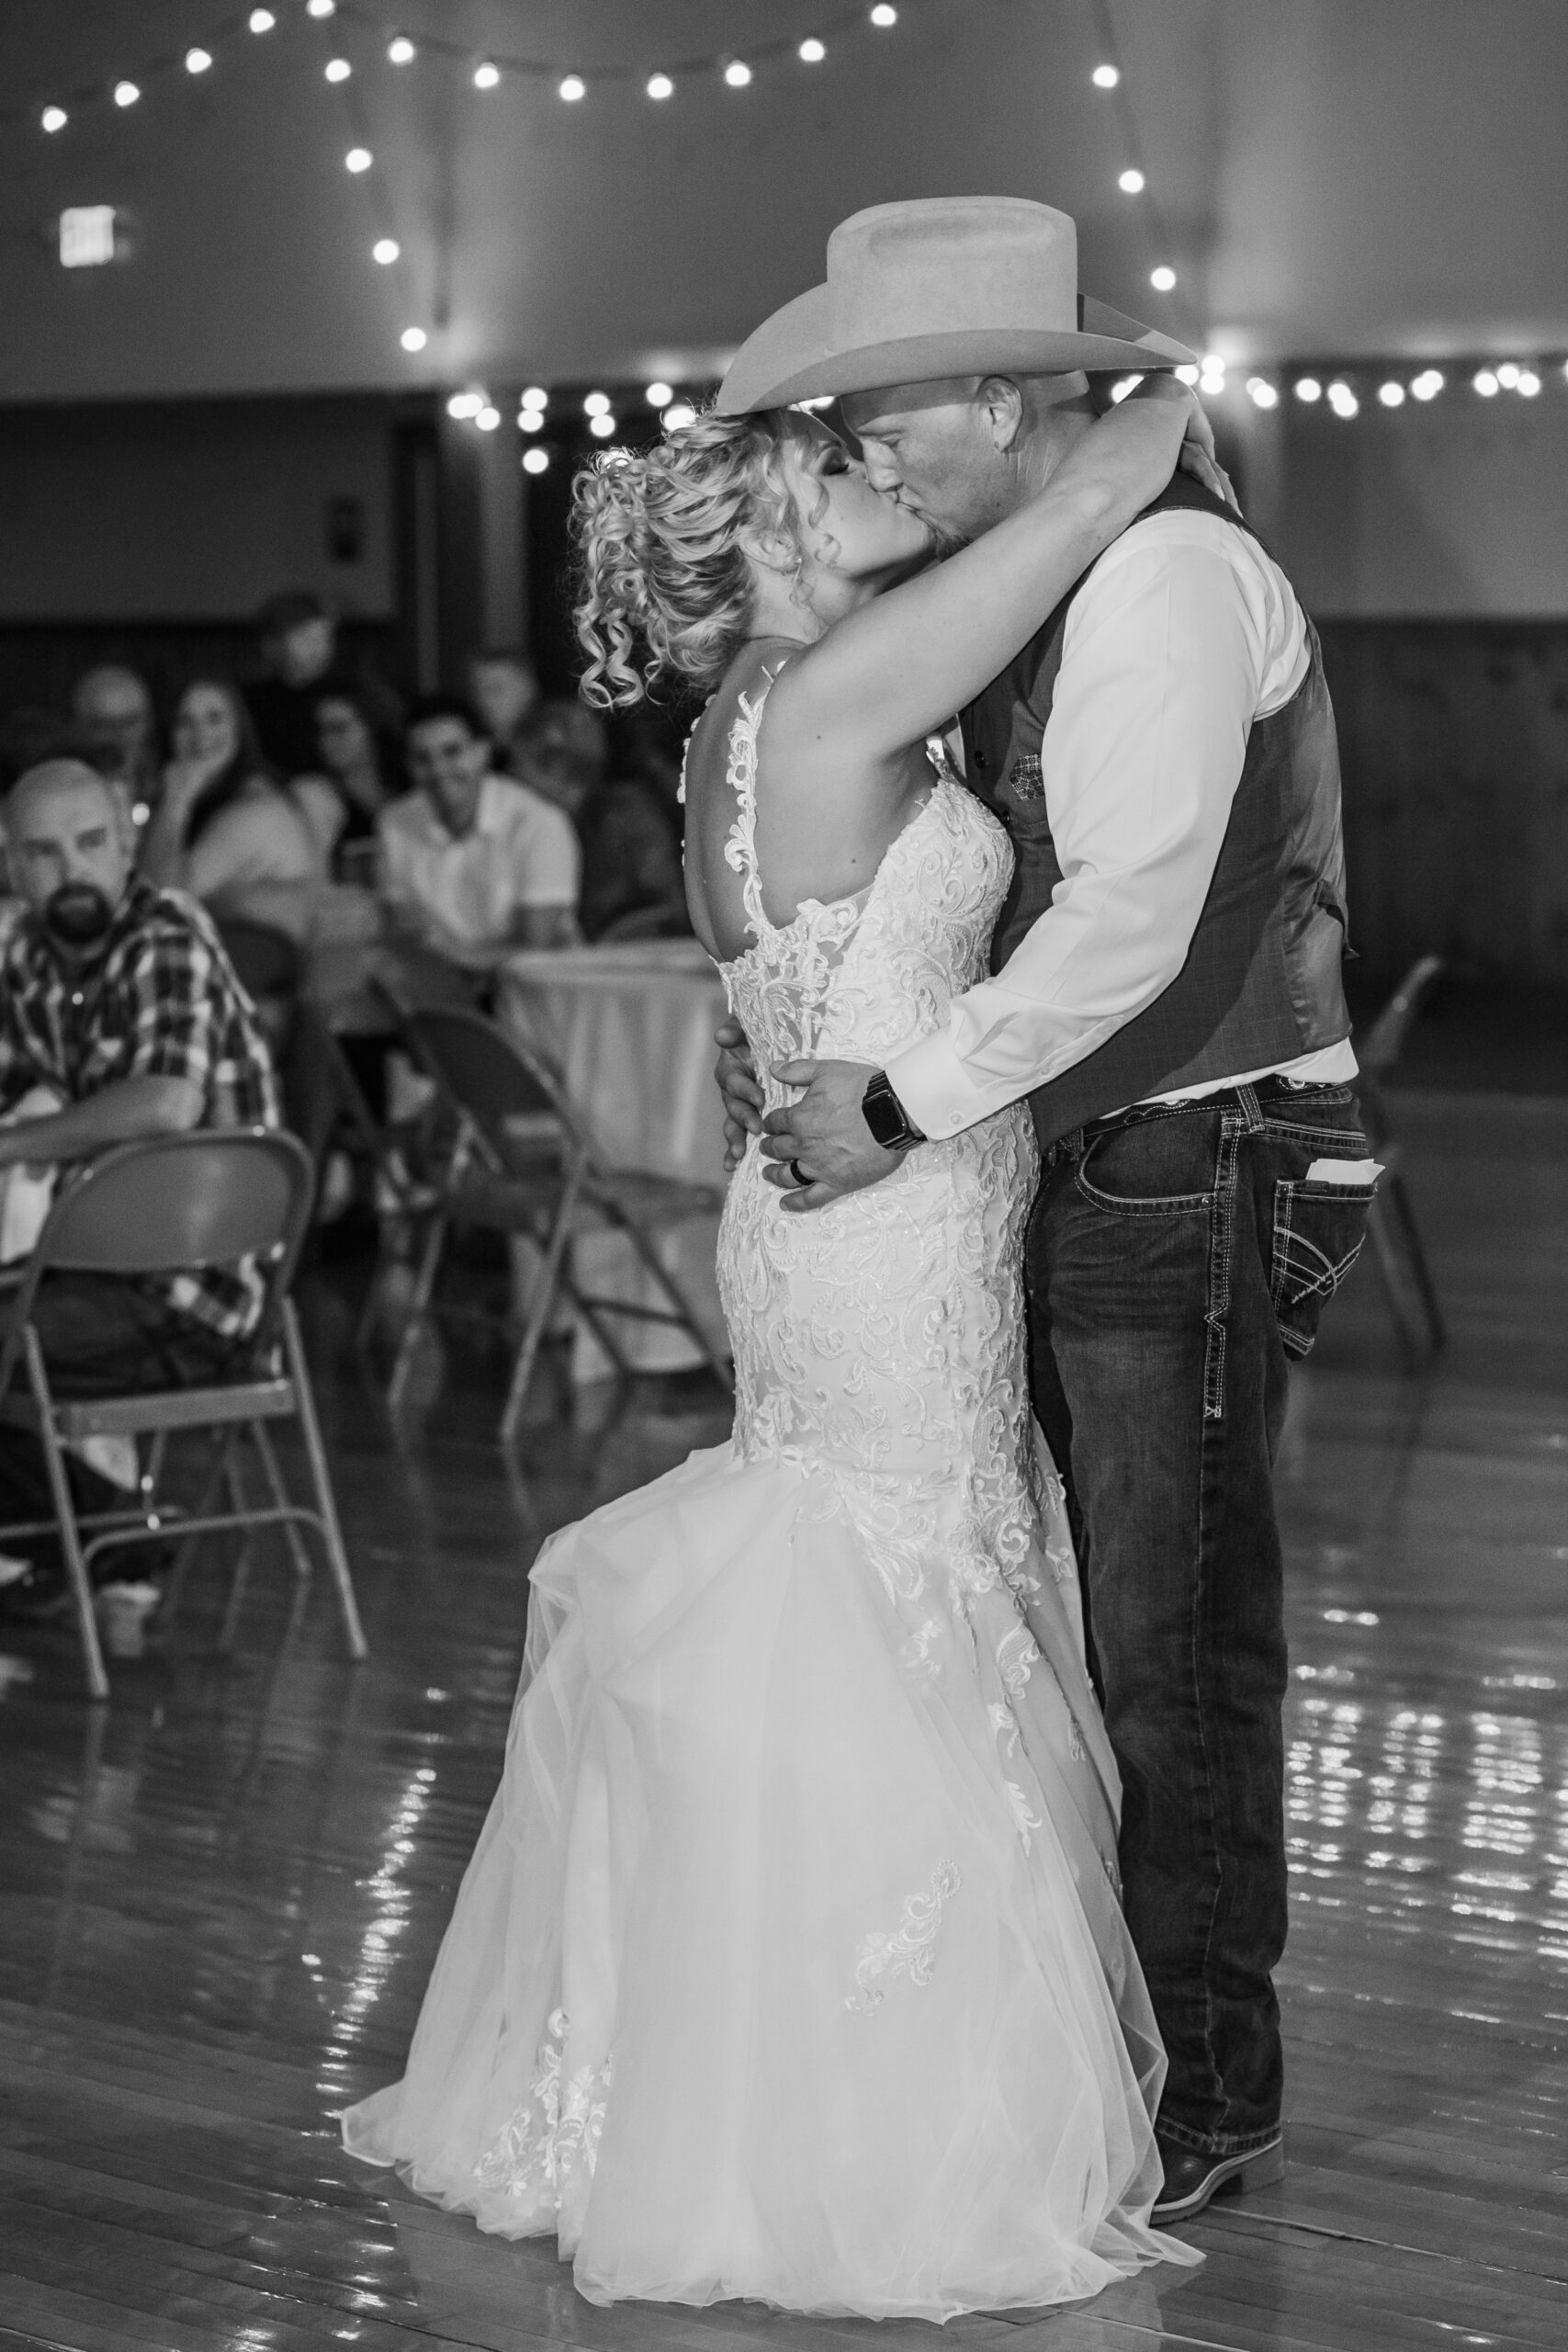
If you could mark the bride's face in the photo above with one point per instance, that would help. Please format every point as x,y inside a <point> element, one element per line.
<point>846,528</point>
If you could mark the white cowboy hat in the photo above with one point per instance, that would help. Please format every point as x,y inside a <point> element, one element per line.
<point>946,286</point>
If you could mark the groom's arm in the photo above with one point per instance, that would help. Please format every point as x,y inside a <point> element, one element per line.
<point>1184,632</point>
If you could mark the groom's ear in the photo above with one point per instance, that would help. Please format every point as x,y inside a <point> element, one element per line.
<point>1001,407</point>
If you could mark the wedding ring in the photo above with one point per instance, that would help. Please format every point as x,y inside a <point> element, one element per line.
<point>798,1172</point>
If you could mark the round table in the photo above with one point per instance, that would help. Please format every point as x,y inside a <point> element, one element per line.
<point>631,1029</point>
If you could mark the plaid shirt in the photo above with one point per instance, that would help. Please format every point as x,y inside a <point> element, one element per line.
<point>160,1000</point>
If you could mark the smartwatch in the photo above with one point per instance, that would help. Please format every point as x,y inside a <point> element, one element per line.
<point>886,1117</point>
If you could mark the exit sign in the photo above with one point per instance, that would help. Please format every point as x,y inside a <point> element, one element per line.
<point>86,235</point>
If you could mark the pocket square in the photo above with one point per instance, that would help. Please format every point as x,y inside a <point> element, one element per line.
<point>1025,778</point>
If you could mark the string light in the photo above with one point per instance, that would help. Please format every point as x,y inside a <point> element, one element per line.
<point>462,405</point>
<point>486,76</point>
<point>337,69</point>
<point>1308,388</point>
<point>536,461</point>
<point>358,159</point>
<point>1529,383</point>
<point>400,51</point>
<point>488,417</point>
<point>812,51</point>
<point>1122,387</point>
<point>535,397</point>
<point>1392,394</point>
<point>596,404</point>
<point>658,395</point>
<point>679,413</point>
<point>385,250</point>
<point>197,60</point>
<point>1130,183</point>
<point>1429,384</point>
<point>1162,279</point>
<point>1486,383</point>
<point>262,20</point>
<point>414,338</point>
<point>320,7</point>
<point>660,85</point>
<point>602,426</point>
<point>1105,77</point>
<point>530,420</point>
<point>1508,375</point>
<point>126,94</point>
<point>1211,378</point>
<point>1261,393</point>
<point>883,17</point>
<point>1342,400</point>
<point>572,88</point>
<point>54,118</point>
<point>1188,376</point>
<point>738,73</point>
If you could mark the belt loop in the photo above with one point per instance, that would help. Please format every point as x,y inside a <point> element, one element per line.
<point>1248,1098</point>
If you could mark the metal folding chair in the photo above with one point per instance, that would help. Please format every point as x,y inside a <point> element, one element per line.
<point>523,1166</point>
<point>173,1204</point>
<point>1395,1237</point>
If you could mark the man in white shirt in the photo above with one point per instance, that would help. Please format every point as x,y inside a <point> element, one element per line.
<point>1165,992</point>
<point>472,862</point>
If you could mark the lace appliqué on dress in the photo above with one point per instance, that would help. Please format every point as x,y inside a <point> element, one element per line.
<point>551,2145</point>
<point>909,1950</point>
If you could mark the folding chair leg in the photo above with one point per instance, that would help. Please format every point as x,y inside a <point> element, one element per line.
<point>1405,1212</point>
<point>547,1283</point>
<point>185,1548</point>
<point>320,1479</point>
<point>686,1313</point>
<point>1390,1271</point>
<point>235,1485</point>
<point>299,1551</point>
<point>65,1515</point>
<point>419,1308</point>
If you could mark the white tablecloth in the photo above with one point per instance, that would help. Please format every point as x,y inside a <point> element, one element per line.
<point>631,1027</point>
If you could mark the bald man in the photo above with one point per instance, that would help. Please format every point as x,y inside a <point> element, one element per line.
<point>120,999</point>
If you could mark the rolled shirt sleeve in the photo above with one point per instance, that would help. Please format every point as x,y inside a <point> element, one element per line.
<point>547,863</point>
<point>1184,632</point>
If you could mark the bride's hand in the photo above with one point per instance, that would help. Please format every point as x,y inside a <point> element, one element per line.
<point>1197,455</point>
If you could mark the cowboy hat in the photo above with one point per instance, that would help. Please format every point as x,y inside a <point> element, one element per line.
<point>945,286</point>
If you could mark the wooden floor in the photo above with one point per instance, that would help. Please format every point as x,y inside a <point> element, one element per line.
<point>222,1893</point>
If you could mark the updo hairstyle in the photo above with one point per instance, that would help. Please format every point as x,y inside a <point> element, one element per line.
<point>663,585</point>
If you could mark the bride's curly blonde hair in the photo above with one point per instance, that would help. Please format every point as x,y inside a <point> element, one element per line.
<point>664,586</point>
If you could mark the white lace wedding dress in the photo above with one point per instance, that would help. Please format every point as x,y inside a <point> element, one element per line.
<point>789,1963</point>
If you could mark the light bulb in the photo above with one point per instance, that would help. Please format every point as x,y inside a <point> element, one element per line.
<point>462,405</point>
<point>400,51</point>
<point>572,88</point>
<point>658,395</point>
<point>358,159</point>
<point>414,338</point>
<point>1486,383</point>
<point>1429,384</point>
<point>1308,388</point>
<point>602,426</point>
<point>1105,77</point>
<point>1390,395</point>
<point>337,69</point>
<point>596,404</point>
<point>1262,393</point>
<point>1529,383</point>
<point>126,94</point>
<point>535,397</point>
<point>678,413</point>
<point>737,74</point>
<point>488,417</point>
<point>262,20</point>
<point>882,16</point>
<point>1509,375</point>
<point>1342,400</point>
<point>54,118</point>
<point>1130,183</point>
<point>1122,387</point>
<point>1187,376</point>
<point>486,76</point>
<point>1162,279</point>
<point>530,420</point>
<point>812,51</point>
<point>660,85</point>
<point>197,60</point>
<point>385,250</point>
<point>534,461</point>
<point>320,7</point>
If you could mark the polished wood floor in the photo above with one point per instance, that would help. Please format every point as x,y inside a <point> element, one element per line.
<point>221,1895</point>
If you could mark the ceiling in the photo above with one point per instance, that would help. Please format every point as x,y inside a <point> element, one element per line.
<point>1340,178</point>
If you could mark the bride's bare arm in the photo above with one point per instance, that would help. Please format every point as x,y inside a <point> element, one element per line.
<point>889,673</point>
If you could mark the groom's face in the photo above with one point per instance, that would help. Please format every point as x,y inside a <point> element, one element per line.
<point>963,452</point>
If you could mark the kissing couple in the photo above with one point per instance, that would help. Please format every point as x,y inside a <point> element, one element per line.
<point>877,1911</point>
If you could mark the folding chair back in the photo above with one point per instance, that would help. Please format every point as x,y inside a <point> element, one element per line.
<point>491,1078</point>
<point>1384,1042</point>
<point>175,1203</point>
<point>1397,1246</point>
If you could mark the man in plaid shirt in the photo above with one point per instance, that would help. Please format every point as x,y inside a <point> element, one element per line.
<point>120,999</point>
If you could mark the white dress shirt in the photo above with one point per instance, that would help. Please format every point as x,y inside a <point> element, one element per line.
<point>463,890</point>
<point>1183,634</point>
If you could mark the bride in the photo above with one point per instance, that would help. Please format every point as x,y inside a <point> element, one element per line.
<point>789,1963</point>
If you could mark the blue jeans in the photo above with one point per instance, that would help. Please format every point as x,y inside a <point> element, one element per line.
<point>1177,1258</point>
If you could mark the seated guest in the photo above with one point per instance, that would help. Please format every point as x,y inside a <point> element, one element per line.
<point>222,830</point>
<point>118,998</point>
<point>360,769</point>
<point>504,688</point>
<point>633,883</point>
<point>300,659</point>
<point>471,862</point>
<point>112,710</point>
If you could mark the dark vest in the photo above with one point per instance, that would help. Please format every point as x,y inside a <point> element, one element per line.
<point>1260,984</point>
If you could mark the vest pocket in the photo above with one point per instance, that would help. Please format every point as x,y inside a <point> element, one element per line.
<point>1319,1232</point>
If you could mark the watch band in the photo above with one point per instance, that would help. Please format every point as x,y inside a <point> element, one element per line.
<point>886,1115</point>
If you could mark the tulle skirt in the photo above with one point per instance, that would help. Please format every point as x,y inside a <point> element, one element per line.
<point>788,1964</point>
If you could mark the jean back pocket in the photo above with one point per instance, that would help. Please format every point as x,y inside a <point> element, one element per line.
<point>1319,1232</point>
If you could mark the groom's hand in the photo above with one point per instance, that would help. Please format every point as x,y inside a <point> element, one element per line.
<point>826,1132</point>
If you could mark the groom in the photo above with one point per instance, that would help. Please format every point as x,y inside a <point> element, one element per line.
<point>1166,994</point>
